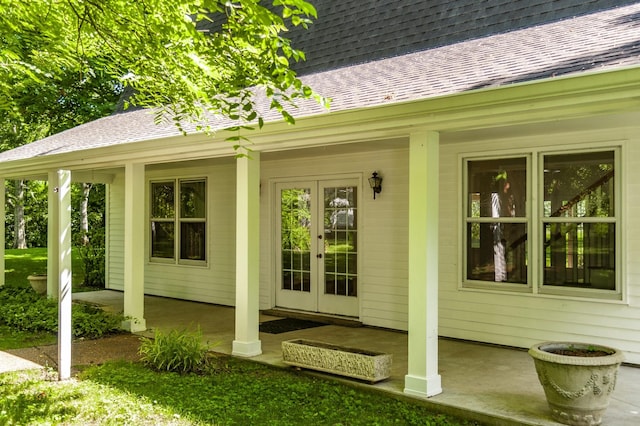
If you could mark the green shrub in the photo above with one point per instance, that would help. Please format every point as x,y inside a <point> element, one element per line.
<point>93,260</point>
<point>92,322</point>
<point>22,309</point>
<point>180,351</point>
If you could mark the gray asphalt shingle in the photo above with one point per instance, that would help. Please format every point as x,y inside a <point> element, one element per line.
<point>350,32</point>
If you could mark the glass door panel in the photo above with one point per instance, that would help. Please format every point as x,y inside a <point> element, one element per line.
<point>294,247</point>
<point>317,246</point>
<point>339,272</point>
<point>340,241</point>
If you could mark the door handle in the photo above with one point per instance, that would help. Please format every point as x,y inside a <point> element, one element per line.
<point>319,255</point>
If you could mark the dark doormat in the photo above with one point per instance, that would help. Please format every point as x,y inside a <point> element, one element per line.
<point>287,324</point>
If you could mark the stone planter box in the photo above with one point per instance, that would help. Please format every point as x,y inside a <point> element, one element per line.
<point>350,362</point>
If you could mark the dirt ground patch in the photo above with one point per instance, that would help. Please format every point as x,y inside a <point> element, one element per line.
<point>85,352</point>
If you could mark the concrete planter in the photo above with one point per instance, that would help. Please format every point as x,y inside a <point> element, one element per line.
<point>577,387</point>
<point>38,283</point>
<point>350,362</point>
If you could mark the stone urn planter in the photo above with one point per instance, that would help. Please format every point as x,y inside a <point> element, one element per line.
<point>577,379</point>
<point>38,283</point>
<point>357,363</point>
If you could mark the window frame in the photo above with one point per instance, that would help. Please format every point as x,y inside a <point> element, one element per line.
<point>466,219</point>
<point>534,215</point>
<point>616,293</point>
<point>177,221</point>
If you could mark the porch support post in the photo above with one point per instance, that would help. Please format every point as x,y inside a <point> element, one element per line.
<point>53,234</point>
<point>247,342</point>
<point>2,228</point>
<point>63,188</point>
<point>134,225</point>
<point>422,378</point>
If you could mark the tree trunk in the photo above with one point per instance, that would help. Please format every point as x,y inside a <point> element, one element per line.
<point>84,215</point>
<point>20,240</point>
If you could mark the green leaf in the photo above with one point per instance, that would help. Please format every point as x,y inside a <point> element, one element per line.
<point>92,50</point>
<point>288,117</point>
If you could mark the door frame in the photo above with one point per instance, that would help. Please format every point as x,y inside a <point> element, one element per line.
<point>273,216</point>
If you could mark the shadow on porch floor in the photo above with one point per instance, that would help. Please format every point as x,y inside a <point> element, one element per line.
<point>493,385</point>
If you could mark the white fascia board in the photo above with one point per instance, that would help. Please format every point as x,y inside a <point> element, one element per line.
<point>523,103</point>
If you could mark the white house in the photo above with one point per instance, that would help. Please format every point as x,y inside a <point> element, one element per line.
<point>508,145</point>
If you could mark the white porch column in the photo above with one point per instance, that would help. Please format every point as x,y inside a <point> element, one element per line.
<point>53,234</point>
<point>134,225</point>
<point>63,192</point>
<point>2,228</point>
<point>422,378</point>
<point>247,342</point>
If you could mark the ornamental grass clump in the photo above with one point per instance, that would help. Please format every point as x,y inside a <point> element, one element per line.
<point>180,351</point>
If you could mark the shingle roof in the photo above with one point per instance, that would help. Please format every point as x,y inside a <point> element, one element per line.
<point>604,40</point>
<point>351,32</point>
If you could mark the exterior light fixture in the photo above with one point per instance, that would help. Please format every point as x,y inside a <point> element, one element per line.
<point>375,182</point>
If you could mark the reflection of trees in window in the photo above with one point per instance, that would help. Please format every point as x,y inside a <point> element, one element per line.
<point>189,228</point>
<point>496,220</point>
<point>163,219</point>
<point>340,241</point>
<point>295,216</point>
<point>192,219</point>
<point>295,234</point>
<point>162,199</point>
<point>579,224</point>
<point>192,199</point>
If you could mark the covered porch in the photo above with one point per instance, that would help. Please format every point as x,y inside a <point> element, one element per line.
<point>491,384</point>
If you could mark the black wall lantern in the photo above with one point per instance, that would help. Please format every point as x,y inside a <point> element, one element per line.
<point>375,182</point>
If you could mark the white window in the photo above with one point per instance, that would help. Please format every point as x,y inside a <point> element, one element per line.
<point>178,220</point>
<point>563,241</point>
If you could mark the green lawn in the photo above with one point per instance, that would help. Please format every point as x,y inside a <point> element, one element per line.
<point>12,339</point>
<point>18,264</point>
<point>240,392</point>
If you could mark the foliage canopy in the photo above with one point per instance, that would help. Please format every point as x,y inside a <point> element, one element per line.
<point>188,59</point>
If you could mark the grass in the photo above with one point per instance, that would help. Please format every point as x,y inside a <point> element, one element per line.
<point>12,339</point>
<point>20,263</point>
<point>238,392</point>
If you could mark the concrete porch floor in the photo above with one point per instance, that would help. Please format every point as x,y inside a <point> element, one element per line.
<point>493,385</point>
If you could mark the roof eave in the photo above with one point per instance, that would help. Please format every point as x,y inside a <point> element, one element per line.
<point>538,101</point>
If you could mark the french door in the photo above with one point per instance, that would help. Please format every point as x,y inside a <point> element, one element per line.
<point>317,246</point>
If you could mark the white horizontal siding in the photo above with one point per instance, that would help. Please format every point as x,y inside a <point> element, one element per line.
<point>188,282</point>
<point>115,234</point>
<point>523,319</point>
